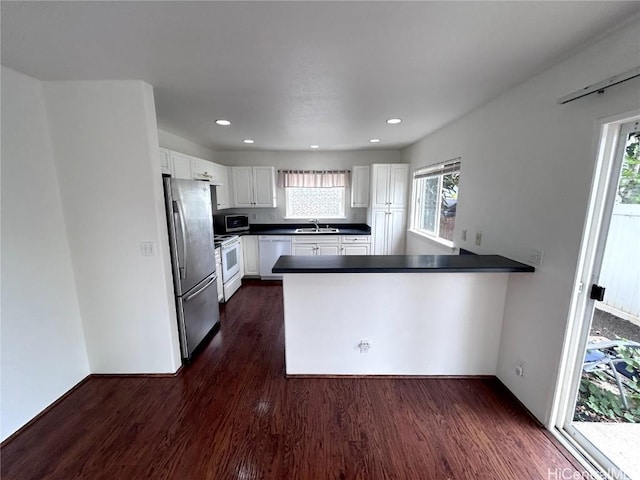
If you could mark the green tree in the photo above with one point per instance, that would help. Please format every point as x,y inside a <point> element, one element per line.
<point>629,184</point>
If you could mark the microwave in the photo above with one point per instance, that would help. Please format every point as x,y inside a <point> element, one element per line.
<point>231,223</point>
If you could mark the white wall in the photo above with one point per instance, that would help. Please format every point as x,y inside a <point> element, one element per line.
<point>416,323</point>
<point>527,164</point>
<point>43,349</point>
<point>105,142</point>
<point>306,161</point>
<point>182,145</point>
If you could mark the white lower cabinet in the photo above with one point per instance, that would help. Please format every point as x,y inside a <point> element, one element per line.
<point>328,249</point>
<point>355,245</point>
<point>330,245</point>
<point>303,248</point>
<point>357,249</point>
<point>251,255</point>
<point>387,231</point>
<point>315,245</point>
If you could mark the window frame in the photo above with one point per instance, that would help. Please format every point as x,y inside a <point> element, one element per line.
<point>343,206</point>
<point>438,170</point>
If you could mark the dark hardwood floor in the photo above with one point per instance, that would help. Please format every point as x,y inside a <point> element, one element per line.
<point>233,415</point>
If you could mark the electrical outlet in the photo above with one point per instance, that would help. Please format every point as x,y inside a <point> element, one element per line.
<point>520,369</point>
<point>272,216</point>
<point>534,257</point>
<point>464,235</point>
<point>478,238</point>
<point>364,346</point>
<point>254,216</point>
<point>147,249</point>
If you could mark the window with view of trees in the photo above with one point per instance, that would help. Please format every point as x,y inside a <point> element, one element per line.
<point>435,199</point>
<point>629,183</point>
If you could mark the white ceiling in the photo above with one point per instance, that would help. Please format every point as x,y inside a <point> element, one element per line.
<point>292,74</point>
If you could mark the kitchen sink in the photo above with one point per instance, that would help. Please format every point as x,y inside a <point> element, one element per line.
<point>317,230</point>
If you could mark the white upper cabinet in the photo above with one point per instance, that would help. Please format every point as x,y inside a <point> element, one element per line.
<point>221,174</point>
<point>242,181</point>
<point>253,187</point>
<point>360,185</point>
<point>181,165</point>
<point>202,170</point>
<point>165,161</point>
<point>389,185</point>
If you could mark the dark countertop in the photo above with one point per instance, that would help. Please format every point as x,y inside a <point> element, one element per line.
<point>289,229</point>
<point>397,264</point>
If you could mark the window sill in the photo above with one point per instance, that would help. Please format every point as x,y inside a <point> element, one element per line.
<point>437,240</point>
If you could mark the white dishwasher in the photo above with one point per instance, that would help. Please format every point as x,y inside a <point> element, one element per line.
<point>271,247</point>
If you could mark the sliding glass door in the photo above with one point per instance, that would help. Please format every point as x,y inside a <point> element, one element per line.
<point>598,407</point>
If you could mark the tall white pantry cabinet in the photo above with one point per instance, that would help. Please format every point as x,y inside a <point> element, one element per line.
<point>387,214</point>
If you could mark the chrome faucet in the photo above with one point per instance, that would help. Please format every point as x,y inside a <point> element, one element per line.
<point>315,222</point>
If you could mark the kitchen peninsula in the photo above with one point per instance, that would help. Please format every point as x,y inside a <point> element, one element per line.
<point>394,314</point>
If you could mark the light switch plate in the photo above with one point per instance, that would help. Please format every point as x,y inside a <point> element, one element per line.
<point>478,238</point>
<point>147,249</point>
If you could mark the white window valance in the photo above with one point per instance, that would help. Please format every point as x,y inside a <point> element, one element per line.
<point>314,178</point>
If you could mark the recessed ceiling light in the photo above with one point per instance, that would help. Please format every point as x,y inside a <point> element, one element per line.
<point>314,146</point>
<point>393,121</point>
<point>374,140</point>
<point>223,122</point>
<point>248,140</point>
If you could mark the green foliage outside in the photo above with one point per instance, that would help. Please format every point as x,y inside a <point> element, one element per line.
<point>450,186</point>
<point>629,184</point>
<point>599,399</point>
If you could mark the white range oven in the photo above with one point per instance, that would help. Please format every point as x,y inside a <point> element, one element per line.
<point>230,256</point>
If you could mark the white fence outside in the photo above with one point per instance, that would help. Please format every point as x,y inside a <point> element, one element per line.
<point>620,273</point>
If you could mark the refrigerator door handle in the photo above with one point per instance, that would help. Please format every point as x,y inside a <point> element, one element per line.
<point>182,264</point>
<point>200,290</point>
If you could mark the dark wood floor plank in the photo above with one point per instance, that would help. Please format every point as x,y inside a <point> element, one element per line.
<point>232,414</point>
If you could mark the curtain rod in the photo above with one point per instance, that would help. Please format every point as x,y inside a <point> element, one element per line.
<point>601,86</point>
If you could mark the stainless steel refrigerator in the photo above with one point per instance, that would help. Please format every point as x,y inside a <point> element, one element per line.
<point>190,223</point>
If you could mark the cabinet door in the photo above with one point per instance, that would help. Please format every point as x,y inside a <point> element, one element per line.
<point>264,187</point>
<point>304,249</point>
<point>221,174</point>
<point>165,161</point>
<point>250,254</point>
<point>328,249</point>
<point>398,181</point>
<point>201,169</point>
<point>380,186</point>
<point>242,185</point>
<point>379,232</point>
<point>360,185</point>
<point>396,231</point>
<point>357,249</point>
<point>181,166</point>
